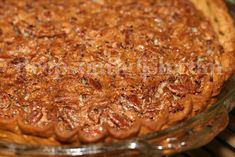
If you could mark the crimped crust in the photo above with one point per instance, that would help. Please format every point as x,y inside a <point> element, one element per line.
<point>86,71</point>
<point>223,24</point>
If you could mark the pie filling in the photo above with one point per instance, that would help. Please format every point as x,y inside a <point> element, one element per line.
<point>88,70</point>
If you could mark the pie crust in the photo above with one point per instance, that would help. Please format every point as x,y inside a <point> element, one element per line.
<point>84,71</point>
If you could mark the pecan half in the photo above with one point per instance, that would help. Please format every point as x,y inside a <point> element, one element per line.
<point>119,120</point>
<point>131,101</point>
<point>95,83</point>
<point>8,112</point>
<point>34,117</point>
<point>35,120</point>
<point>69,117</point>
<point>95,112</point>
<point>67,123</point>
<point>176,107</point>
<point>4,101</point>
<point>182,88</point>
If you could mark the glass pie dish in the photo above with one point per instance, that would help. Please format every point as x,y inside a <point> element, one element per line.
<point>187,135</point>
<point>190,134</point>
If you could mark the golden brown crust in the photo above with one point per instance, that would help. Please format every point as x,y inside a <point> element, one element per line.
<point>81,106</point>
<point>217,13</point>
<point>223,24</point>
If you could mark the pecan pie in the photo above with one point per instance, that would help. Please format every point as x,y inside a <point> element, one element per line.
<point>84,71</point>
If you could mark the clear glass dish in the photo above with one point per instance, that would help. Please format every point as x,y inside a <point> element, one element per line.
<point>188,135</point>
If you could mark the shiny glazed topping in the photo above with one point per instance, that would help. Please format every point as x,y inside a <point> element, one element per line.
<point>84,70</point>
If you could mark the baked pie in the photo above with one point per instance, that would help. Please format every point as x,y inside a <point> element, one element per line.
<point>84,71</point>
